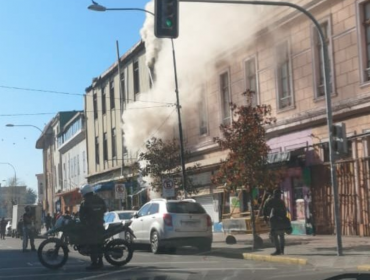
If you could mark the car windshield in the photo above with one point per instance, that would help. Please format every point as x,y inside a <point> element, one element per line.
<point>184,207</point>
<point>126,216</point>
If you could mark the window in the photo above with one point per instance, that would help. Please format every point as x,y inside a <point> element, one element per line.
<point>151,75</point>
<point>185,207</point>
<point>95,105</point>
<point>225,98</point>
<point>154,209</point>
<point>319,65</point>
<point>114,143</point>
<point>203,118</point>
<point>97,159</point>
<point>136,78</point>
<point>123,87</point>
<point>78,165</point>
<point>144,210</point>
<point>251,80</point>
<point>105,146</point>
<point>84,161</point>
<point>125,215</point>
<point>103,100</point>
<point>365,23</point>
<point>111,95</point>
<point>284,77</point>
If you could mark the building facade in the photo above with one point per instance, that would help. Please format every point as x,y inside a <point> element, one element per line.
<point>49,141</point>
<point>105,101</point>
<point>282,63</point>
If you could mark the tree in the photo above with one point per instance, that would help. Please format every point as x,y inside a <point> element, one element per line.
<point>163,160</point>
<point>31,196</point>
<point>246,165</point>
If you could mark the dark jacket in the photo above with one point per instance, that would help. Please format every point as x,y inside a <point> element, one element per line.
<point>92,210</point>
<point>274,207</point>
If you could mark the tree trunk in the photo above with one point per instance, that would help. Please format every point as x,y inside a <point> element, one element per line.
<point>256,238</point>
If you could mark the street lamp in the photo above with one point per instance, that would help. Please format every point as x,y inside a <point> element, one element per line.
<point>13,125</point>
<point>15,173</point>
<point>99,8</point>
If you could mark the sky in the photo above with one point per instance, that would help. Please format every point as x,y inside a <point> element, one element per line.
<point>58,46</point>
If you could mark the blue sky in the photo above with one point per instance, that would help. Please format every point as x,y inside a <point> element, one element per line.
<point>58,46</point>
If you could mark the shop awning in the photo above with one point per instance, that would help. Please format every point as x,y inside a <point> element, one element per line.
<point>71,197</point>
<point>108,186</point>
<point>278,157</point>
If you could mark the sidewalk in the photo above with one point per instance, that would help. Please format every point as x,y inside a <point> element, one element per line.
<point>318,251</point>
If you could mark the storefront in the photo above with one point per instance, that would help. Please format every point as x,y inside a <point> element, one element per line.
<point>70,201</point>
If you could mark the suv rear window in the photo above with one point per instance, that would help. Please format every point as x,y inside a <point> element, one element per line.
<point>185,207</point>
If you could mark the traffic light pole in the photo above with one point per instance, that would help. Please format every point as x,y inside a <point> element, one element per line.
<point>329,114</point>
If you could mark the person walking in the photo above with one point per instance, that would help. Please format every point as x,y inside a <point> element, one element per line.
<point>2,228</point>
<point>48,221</point>
<point>92,211</point>
<point>28,229</point>
<point>275,209</point>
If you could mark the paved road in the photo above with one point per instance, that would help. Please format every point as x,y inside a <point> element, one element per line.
<point>186,264</point>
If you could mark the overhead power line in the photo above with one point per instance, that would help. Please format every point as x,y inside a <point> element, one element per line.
<point>75,94</point>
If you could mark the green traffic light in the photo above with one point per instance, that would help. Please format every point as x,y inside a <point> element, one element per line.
<point>169,23</point>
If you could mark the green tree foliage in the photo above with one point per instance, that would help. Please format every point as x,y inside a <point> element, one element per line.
<point>162,160</point>
<point>31,196</point>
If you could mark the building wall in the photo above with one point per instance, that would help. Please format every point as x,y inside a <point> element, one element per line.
<point>74,166</point>
<point>104,123</point>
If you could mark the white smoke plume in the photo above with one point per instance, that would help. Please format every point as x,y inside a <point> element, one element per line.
<point>206,32</point>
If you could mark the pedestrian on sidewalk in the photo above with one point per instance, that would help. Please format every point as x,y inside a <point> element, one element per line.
<point>275,209</point>
<point>2,228</point>
<point>28,229</point>
<point>48,221</point>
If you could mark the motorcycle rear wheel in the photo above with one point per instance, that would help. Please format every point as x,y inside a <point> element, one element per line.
<point>46,256</point>
<point>118,249</point>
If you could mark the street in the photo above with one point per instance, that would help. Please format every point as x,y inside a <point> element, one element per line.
<point>185,264</point>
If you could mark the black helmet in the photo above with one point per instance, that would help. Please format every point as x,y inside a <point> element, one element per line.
<point>277,192</point>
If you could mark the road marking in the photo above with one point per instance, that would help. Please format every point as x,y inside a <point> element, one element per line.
<point>9,247</point>
<point>30,264</point>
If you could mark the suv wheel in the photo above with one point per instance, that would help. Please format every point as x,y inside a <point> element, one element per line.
<point>154,243</point>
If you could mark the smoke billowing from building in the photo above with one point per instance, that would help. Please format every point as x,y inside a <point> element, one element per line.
<point>207,31</point>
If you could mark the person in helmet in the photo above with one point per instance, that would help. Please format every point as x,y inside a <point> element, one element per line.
<point>28,229</point>
<point>92,211</point>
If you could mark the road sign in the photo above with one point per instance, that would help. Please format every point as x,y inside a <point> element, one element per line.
<point>120,191</point>
<point>168,188</point>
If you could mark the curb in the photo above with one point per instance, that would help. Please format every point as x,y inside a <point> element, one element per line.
<point>364,267</point>
<point>275,259</point>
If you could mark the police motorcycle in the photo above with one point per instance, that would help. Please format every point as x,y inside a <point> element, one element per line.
<point>53,252</point>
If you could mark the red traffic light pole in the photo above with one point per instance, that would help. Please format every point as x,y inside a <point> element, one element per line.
<point>329,114</point>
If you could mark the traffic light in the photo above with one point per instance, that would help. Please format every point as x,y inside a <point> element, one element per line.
<point>340,143</point>
<point>166,19</point>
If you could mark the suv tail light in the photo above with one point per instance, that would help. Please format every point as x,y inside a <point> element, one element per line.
<point>167,218</point>
<point>209,221</point>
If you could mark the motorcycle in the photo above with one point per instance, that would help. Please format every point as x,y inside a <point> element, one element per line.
<point>53,252</point>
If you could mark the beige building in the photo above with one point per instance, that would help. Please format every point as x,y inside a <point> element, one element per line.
<point>282,63</point>
<point>105,101</point>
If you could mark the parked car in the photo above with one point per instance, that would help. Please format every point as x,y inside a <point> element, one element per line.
<point>116,217</point>
<point>169,224</point>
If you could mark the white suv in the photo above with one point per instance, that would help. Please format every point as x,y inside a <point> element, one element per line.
<point>168,224</point>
